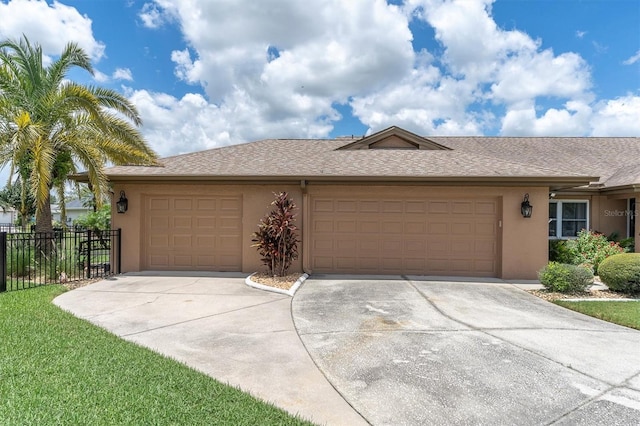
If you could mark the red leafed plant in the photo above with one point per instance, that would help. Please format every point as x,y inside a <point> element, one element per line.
<point>276,238</point>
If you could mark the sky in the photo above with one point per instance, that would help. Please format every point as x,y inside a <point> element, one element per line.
<point>209,73</point>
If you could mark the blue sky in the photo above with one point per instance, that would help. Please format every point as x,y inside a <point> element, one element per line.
<point>207,73</point>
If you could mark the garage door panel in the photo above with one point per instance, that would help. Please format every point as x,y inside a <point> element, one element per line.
<point>415,207</point>
<point>161,241</point>
<point>433,237</point>
<point>462,207</point>
<point>391,207</point>
<point>156,222</point>
<point>438,207</point>
<point>438,228</point>
<point>183,204</point>
<point>394,227</point>
<point>182,241</point>
<point>184,222</point>
<point>486,208</point>
<point>193,233</point>
<point>159,204</point>
<point>414,227</point>
<point>346,206</point>
<point>205,204</point>
<point>462,228</point>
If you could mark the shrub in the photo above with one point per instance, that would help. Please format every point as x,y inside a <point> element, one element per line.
<point>591,248</point>
<point>565,278</point>
<point>276,238</point>
<point>561,252</point>
<point>621,272</point>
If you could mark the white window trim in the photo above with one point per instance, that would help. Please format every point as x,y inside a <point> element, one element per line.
<point>559,217</point>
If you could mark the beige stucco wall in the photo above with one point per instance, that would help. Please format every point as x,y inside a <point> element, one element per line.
<point>523,242</point>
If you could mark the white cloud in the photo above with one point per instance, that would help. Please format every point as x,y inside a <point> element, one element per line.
<point>151,16</point>
<point>278,68</point>
<point>177,125</point>
<point>100,77</point>
<point>633,59</point>
<point>123,74</point>
<point>52,26</point>
<point>572,120</point>
<point>617,117</point>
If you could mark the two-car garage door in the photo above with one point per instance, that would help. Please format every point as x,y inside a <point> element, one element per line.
<point>422,236</point>
<point>418,236</point>
<point>193,233</point>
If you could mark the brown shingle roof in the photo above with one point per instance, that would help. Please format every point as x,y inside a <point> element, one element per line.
<point>604,157</point>
<point>561,160</point>
<point>309,159</point>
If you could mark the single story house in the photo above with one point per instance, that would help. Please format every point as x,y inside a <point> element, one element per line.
<point>8,216</point>
<point>74,209</point>
<point>389,203</point>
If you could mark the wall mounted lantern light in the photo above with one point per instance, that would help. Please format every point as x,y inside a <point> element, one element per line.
<point>122,205</point>
<point>525,208</point>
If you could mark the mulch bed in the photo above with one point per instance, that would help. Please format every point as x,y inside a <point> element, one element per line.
<point>589,294</point>
<point>284,283</point>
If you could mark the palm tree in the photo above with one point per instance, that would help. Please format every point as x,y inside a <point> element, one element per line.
<point>50,126</point>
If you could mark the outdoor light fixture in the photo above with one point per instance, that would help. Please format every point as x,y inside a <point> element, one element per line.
<point>123,204</point>
<point>525,208</point>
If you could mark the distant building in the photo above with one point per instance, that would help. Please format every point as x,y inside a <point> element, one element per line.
<point>74,209</point>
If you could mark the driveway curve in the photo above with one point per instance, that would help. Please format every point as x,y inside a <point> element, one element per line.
<point>410,352</point>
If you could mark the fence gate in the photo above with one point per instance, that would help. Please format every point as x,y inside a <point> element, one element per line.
<point>32,259</point>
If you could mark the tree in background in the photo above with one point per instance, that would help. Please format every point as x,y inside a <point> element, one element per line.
<point>15,196</point>
<point>51,126</point>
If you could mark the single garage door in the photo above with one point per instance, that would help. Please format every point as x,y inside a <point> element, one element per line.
<point>200,233</point>
<point>418,237</point>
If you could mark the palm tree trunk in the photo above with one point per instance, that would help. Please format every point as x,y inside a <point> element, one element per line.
<point>44,228</point>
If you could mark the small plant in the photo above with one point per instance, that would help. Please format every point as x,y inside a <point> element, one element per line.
<point>561,252</point>
<point>19,262</point>
<point>621,272</point>
<point>276,238</point>
<point>591,248</point>
<point>565,278</point>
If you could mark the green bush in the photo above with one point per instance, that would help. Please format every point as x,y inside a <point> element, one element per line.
<point>565,278</point>
<point>561,252</point>
<point>591,248</point>
<point>621,272</point>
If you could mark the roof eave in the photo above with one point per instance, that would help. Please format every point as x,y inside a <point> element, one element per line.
<point>562,181</point>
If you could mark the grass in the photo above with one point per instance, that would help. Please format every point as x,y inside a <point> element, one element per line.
<point>57,369</point>
<point>618,312</point>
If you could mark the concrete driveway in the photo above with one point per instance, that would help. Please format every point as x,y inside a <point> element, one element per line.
<point>426,352</point>
<point>219,326</point>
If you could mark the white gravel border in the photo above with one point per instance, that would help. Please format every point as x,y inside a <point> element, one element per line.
<point>289,292</point>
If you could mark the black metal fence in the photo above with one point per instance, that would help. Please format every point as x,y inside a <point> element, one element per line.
<point>31,259</point>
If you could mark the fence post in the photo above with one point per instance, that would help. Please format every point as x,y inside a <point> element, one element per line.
<point>89,253</point>
<point>119,244</point>
<point>3,262</point>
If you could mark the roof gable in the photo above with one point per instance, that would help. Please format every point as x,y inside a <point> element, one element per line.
<point>394,138</point>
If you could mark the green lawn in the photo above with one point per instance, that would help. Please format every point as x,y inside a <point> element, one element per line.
<point>57,369</point>
<point>623,313</point>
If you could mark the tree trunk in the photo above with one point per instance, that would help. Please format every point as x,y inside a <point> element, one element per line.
<point>44,228</point>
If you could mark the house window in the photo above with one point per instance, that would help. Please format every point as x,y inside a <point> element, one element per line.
<point>567,218</point>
